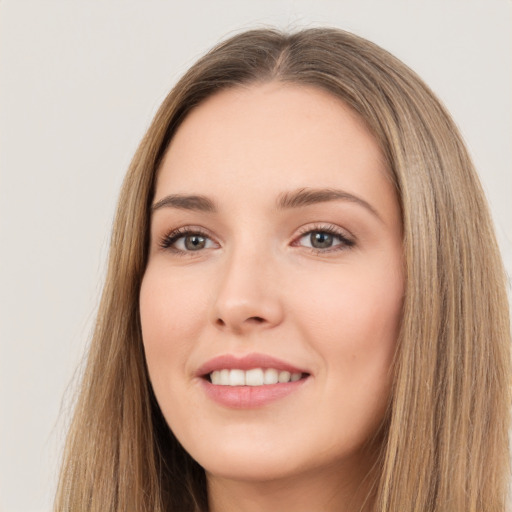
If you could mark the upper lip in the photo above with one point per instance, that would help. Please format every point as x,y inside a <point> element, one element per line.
<point>246,362</point>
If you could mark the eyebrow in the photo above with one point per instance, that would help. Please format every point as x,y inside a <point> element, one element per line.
<point>309,196</point>
<point>287,200</point>
<point>186,202</point>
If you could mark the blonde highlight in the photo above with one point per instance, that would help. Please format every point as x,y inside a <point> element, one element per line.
<point>444,445</point>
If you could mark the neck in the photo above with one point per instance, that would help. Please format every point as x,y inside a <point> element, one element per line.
<point>325,490</point>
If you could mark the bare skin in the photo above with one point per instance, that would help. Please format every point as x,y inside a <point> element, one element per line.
<point>275,233</point>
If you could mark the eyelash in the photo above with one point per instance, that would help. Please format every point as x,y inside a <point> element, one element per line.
<point>171,238</point>
<point>168,241</point>
<point>330,229</point>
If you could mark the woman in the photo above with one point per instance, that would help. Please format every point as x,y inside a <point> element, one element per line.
<point>305,308</point>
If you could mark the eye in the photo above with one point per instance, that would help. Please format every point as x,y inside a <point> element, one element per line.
<point>193,242</point>
<point>319,240</point>
<point>325,239</point>
<point>186,240</point>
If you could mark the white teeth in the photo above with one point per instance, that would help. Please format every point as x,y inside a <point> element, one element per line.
<point>253,377</point>
<point>224,377</point>
<point>237,378</point>
<point>271,376</point>
<point>284,376</point>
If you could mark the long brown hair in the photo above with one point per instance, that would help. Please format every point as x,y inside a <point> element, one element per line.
<point>445,445</point>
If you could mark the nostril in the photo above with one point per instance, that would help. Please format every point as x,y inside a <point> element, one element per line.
<point>256,319</point>
<point>239,323</point>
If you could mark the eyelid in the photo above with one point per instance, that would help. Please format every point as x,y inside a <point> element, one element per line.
<point>172,236</point>
<point>346,238</point>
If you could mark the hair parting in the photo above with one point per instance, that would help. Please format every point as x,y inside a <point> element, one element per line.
<point>444,444</point>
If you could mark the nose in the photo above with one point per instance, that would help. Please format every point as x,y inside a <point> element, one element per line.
<point>248,295</point>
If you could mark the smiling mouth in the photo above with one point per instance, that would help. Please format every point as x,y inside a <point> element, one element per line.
<point>252,377</point>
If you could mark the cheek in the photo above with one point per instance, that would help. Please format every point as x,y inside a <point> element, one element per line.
<point>172,313</point>
<point>353,320</point>
<point>353,300</point>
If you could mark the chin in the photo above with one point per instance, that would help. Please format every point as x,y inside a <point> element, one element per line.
<point>252,469</point>
<point>265,460</point>
<point>245,458</point>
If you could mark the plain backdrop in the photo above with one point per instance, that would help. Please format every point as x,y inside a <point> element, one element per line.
<point>79,84</point>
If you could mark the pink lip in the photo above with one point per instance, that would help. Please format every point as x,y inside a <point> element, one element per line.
<point>248,397</point>
<point>247,362</point>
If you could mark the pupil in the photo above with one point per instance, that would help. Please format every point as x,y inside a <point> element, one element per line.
<point>320,240</point>
<point>195,242</point>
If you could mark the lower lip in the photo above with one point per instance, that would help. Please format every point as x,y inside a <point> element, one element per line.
<point>250,397</point>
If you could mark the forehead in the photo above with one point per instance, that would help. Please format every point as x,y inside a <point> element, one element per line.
<point>269,137</point>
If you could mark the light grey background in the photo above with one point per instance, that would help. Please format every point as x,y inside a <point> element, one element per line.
<point>79,84</point>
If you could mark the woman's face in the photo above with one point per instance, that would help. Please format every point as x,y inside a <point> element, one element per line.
<point>275,270</point>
